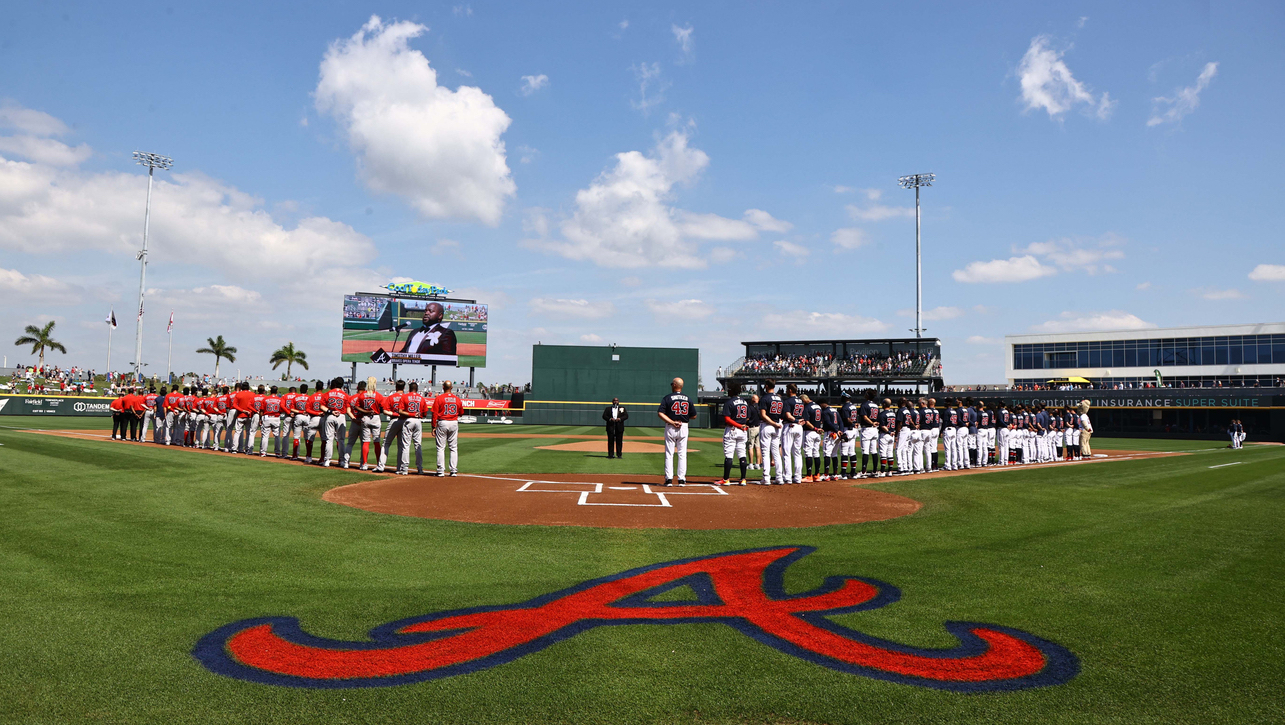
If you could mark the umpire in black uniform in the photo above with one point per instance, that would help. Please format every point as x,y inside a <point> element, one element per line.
<point>615,415</point>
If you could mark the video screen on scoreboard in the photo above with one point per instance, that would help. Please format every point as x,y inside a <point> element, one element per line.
<point>409,331</point>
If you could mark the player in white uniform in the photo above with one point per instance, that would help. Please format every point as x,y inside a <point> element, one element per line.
<point>792,436</point>
<point>771,410</point>
<point>736,418</point>
<point>868,418</point>
<point>851,432</point>
<point>676,409</point>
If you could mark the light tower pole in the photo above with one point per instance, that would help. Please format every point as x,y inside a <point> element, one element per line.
<point>915,181</point>
<point>152,162</point>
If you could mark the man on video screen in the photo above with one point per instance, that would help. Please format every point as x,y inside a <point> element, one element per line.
<point>433,338</point>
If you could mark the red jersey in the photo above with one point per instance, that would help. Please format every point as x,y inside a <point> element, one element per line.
<point>287,402</point>
<point>257,403</point>
<point>413,405</point>
<point>149,400</point>
<point>118,404</point>
<point>172,400</point>
<point>314,402</point>
<point>336,400</point>
<point>446,407</point>
<point>301,403</point>
<point>212,406</point>
<point>366,402</point>
<point>189,402</point>
<point>392,403</point>
<point>272,405</point>
<point>221,402</point>
<point>243,402</point>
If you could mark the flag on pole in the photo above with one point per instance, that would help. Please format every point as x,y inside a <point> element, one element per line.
<point>170,327</point>
<point>140,309</point>
<point>111,319</point>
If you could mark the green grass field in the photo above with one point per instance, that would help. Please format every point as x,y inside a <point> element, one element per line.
<point>1164,576</point>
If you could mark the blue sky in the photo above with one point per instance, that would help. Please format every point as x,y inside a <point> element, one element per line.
<point>644,174</point>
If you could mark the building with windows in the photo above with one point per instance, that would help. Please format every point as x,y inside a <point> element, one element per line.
<point>1226,356</point>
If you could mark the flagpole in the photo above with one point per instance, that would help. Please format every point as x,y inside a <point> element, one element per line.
<point>169,364</point>
<point>109,352</point>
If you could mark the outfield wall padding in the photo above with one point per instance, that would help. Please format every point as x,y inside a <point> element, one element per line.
<point>81,405</point>
<point>571,384</point>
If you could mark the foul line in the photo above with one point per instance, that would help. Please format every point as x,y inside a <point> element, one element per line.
<point>1224,465</point>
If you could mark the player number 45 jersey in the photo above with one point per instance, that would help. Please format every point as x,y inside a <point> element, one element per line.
<point>677,406</point>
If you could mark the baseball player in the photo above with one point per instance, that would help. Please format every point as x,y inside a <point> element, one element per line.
<point>675,409</point>
<point>118,416</point>
<point>270,423</point>
<point>1003,429</point>
<point>243,411</point>
<point>256,418</point>
<point>851,432</point>
<point>792,436</point>
<point>171,415</point>
<point>934,433</point>
<point>771,411</point>
<point>905,433</point>
<point>919,439</point>
<point>149,410</point>
<point>315,408</point>
<point>868,416</point>
<point>446,428</point>
<point>752,435</point>
<point>887,437</point>
<point>736,420</point>
<point>950,434</point>
<point>223,424</point>
<point>365,405</point>
<point>811,423</point>
<point>833,437</point>
<point>287,421</point>
<point>393,409</point>
<point>984,432</point>
<point>411,408</point>
<point>335,406</point>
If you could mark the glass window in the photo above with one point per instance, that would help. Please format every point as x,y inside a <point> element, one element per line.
<point>1264,351</point>
<point>1222,353</point>
<point>1250,353</point>
<point>1234,355</point>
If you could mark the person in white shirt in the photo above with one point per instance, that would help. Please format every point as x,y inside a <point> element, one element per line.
<point>1086,429</point>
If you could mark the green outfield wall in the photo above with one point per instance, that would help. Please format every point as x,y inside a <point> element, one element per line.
<point>55,405</point>
<point>571,384</point>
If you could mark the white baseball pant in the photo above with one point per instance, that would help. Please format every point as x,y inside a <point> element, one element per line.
<point>394,433</point>
<point>734,440</point>
<point>271,427</point>
<point>334,432</point>
<point>410,433</point>
<point>811,444</point>
<point>792,452</point>
<point>770,443</point>
<point>870,441</point>
<point>448,433</point>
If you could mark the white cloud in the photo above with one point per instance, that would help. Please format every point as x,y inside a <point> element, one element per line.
<point>439,149</point>
<point>591,338</point>
<point>935,314</point>
<point>1143,286</point>
<point>719,255</point>
<point>531,84</point>
<point>681,309</point>
<point>822,323</point>
<point>17,288</point>
<point>625,217</point>
<point>849,238</point>
<point>875,212</point>
<point>841,189</point>
<point>577,309</point>
<point>1212,293</point>
<point>1184,101</point>
<point>1268,273</point>
<point>1013,269</point>
<point>45,150</point>
<point>526,154</point>
<point>24,120</point>
<point>1071,255</point>
<point>648,77</point>
<point>445,247</point>
<point>684,38</point>
<point>979,340</point>
<point>1096,322</point>
<point>623,24</point>
<point>790,249</point>
<point>462,11</point>
<point>463,72</point>
<point>1047,83</point>
<point>766,222</point>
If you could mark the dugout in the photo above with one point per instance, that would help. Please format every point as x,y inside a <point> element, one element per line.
<point>571,384</point>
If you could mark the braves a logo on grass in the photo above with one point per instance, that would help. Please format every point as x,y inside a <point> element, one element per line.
<point>742,589</point>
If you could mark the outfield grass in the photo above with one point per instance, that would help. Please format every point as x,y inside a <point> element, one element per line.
<point>1162,575</point>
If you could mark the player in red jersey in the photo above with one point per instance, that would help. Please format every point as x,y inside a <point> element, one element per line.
<point>243,410</point>
<point>149,411</point>
<point>137,407</point>
<point>189,416</point>
<point>391,407</point>
<point>411,410</point>
<point>118,416</point>
<point>365,406</point>
<point>255,420</point>
<point>316,409</point>
<point>299,422</point>
<point>222,419</point>
<point>446,428</point>
<point>335,404</point>
<point>173,415</point>
<point>270,423</point>
<point>287,420</point>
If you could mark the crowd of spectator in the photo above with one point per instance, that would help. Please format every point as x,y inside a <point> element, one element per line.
<point>786,364</point>
<point>900,363</point>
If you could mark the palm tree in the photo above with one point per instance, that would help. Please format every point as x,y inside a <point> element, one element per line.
<point>289,356</point>
<point>219,349</point>
<point>39,339</point>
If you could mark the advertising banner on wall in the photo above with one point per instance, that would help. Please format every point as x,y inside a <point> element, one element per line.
<point>54,405</point>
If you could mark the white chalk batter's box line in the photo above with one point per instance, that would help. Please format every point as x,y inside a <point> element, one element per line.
<point>597,488</point>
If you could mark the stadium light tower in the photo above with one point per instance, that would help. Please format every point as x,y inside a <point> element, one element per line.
<point>152,162</point>
<point>915,181</point>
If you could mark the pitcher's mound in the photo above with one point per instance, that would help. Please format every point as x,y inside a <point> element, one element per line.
<point>601,447</point>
